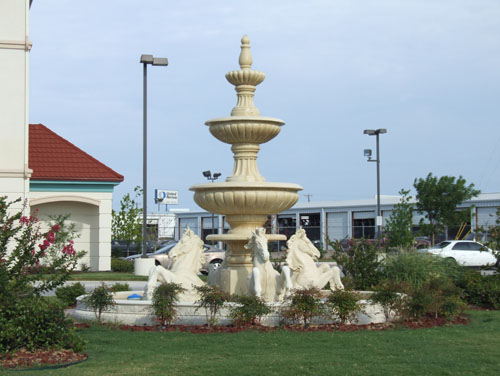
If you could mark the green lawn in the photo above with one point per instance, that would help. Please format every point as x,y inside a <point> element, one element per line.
<point>106,276</point>
<point>454,350</point>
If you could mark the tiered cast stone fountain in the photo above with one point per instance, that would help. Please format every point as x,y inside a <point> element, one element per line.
<point>245,198</point>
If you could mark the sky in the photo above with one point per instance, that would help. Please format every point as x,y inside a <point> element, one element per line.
<point>426,70</point>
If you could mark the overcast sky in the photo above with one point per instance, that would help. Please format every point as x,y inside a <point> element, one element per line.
<point>427,70</point>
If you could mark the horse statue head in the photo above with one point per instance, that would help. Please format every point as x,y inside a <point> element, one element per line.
<point>188,253</point>
<point>299,246</point>
<point>258,245</point>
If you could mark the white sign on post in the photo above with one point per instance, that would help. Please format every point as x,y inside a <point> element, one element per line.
<point>166,197</point>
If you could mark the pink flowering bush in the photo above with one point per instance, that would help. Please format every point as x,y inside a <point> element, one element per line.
<point>24,247</point>
<point>26,319</point>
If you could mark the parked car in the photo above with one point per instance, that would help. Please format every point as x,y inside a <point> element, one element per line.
<point>465,252</point>
<point>119,247</point>
<point>213,256</point>
<point>160,251</point>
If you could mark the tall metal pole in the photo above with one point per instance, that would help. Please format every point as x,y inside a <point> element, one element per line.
<point>144,158</point>
<point>378,190</point>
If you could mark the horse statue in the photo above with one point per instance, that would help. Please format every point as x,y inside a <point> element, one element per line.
<point>265,282</point>
<point>301,258</point>
<point>187,258</point>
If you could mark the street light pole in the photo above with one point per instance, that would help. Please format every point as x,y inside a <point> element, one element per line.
<point>145,60</point>
<point>368,152</point>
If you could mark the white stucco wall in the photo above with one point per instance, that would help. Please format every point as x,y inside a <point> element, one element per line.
<point>91,213</point>
<point>14,91</point>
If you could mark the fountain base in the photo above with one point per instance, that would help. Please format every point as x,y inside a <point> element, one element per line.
<point>139,312</point>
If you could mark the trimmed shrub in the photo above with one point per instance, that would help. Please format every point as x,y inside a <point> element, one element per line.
<point>344,304</point>
<point>120,265</point>
<point>415,270</point>
<point>212,299</point>
<point>481,290</point>
<point>99,300</point>
<point>164,298</point>
<point>304,305</point>
<point>249,310</point>
<point>388,296</point>
<point>68,294</point>
<point>360,263</point>
<point>438,297</point>
<point>36,323</point>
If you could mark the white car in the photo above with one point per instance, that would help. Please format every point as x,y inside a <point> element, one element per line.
<point>465,252</point>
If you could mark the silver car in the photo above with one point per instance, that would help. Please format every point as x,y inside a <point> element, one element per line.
<point>213,256</point>
<point>464,252</point>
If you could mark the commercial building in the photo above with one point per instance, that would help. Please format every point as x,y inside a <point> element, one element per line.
<point>338,220</point>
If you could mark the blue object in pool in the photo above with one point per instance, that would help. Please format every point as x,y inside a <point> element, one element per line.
<point>134,296</point>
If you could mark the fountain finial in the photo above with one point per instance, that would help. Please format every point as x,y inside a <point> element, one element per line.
<point>245,54</point>
<point>245,81</point>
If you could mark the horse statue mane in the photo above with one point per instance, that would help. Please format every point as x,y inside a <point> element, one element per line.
<point>302,256</point>
<point>265,282</point>
<point>298,246</point>
<point>187,259</point>
<point>189,242</point>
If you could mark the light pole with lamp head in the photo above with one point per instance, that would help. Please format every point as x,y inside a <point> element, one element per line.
<point>145,60</point>
<point>209,176</point>
<point>368,154</point>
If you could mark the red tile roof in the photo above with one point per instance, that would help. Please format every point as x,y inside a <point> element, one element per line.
<point>52,157</point>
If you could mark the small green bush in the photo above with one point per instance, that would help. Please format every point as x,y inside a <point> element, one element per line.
<point>438,297</point>
<point>124,266</point>
<point>389,297</point>
<point>164,298</point>
<point>212,299</point>
<point>119,287</point>
<point>414,269</point>
<point>344,304</point>
<point>249,310</point>
<point>99,300</point>
<point>481,290</point>
<point>303,306</point>
<point>360,263</point>
<point>35,323</point>
<point>68,294</point>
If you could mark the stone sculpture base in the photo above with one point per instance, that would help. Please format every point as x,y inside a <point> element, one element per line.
<point>139,312</point>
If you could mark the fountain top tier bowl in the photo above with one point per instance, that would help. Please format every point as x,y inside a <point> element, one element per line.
<point>245,192</point>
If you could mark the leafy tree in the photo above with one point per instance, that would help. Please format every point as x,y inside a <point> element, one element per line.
<point>398,227</point>
<point>126,223</point>
<point>438,198</point>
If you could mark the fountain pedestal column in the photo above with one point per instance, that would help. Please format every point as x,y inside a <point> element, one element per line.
<point>245,198</point>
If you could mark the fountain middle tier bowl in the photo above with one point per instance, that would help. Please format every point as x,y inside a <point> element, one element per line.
<point>245,129</point>
<point>259,198</point>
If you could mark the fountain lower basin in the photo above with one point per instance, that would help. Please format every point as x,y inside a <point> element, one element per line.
<point>139,312</point>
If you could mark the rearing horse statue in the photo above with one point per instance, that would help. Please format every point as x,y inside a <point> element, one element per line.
<point>301,258</point>
<point>187,259</point>
<point>265,282</point>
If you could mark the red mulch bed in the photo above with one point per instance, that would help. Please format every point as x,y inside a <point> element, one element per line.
<point>427,322</point>
<point>40,358</point>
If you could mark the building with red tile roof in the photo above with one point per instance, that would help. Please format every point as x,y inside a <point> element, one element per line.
<point>52,157</point>
<point>67,180</point>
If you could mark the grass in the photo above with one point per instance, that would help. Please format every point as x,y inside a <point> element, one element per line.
<point>451,350</point>
<point>106,276</point>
